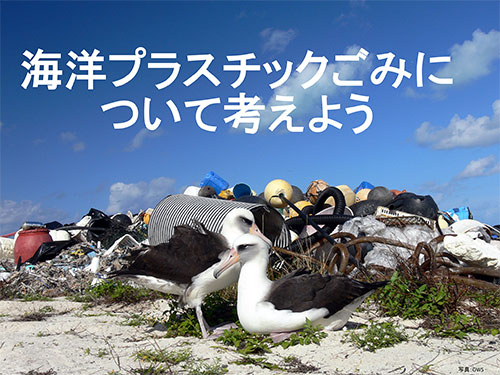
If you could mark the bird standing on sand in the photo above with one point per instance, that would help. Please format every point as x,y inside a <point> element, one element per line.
<point>266,306</point>
<point>185,264</point>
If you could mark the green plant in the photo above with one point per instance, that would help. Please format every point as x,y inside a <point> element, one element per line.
<point>220,307</point>
<point>136,320</point>
<point>163,355</point>
<point>245,342</point>
<point>257,361</point>
<point>181,322</point>
<point>46,309</point>
<point>159,360</point>
<point>412,299</point>
<point>309,335</point>
<point>113,291</point>
<point>204,368</point>
<point>487,298</point>
<point>35,297</point>
<point>425,369</point>
<point>459,326</point>
<point>102,352</point>
<point>379,335</point>
<point>152,369</point>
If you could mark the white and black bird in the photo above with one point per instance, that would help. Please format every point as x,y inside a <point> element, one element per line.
<point>266,306</point>
<point>185,264</point>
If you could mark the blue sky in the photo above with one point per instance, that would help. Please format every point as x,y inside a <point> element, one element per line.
<point>60,154</point>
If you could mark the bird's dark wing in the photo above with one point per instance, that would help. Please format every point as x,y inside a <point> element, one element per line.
<point>294,273</point>
<point>306,291</point>
<point>189,252</point>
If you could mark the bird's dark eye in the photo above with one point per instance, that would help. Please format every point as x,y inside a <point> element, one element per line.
<point>242,247</point>
<point>246,221</point>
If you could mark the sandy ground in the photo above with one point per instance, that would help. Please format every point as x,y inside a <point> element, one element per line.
<point>74,340</point>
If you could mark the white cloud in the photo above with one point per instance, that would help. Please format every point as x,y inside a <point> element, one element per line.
<point>140,137</point>
<point>78,146</point>
<point>466,132</point>
<point>140,195</point>
<point>14,214</point>
<point>436,190</point>
<point>70,137</point>
<point>454,192</point>
<point>277,40</point>
<point>481,167</point>
<point>410,92</point>
<point>309,100</point>
<point>473,58</point>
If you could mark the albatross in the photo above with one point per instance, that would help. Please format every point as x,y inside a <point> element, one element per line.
<point>275,307</point>
<point>185,264</point>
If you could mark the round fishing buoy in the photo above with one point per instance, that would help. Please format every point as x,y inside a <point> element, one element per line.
<point>192,190</point>
<point>28,242</point>
<point>397,192</point>
<point>380,194</point>
<point>297,194</point>
<point>276,187</point>
<point>362,195</point>
<point>122,219</point>
<point>314,189</point>
<point>300,205</point>
<point>350,197</point>
<point>207,191</point>
<point>443,224</point>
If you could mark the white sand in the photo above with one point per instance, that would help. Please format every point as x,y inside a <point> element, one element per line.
<point>77,341</point>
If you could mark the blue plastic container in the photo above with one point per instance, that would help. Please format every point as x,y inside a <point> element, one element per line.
<point>460,213</point>
<point>214,180</point>
<point>364,185</point>
<point>240,190</point>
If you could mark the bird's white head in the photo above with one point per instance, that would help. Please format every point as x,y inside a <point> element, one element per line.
<point>238,222</point>
<point>245,248</point>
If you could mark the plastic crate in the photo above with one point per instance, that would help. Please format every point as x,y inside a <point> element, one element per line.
<point>214,180</point>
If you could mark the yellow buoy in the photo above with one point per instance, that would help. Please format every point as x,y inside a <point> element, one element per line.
<point>349,196</point>
<point>443,224</point>
<point>300,205</point>
<point>276,187</point>
<point>362,195</point>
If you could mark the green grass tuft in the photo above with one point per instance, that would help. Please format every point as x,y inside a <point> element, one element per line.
<point>114,291</point>
<point>376,336</point>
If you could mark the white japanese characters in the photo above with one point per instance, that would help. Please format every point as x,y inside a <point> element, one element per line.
<point>43,70</point>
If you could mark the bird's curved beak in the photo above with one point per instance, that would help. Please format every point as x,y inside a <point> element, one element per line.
<point>232,257</point>
<point>254,229</point>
